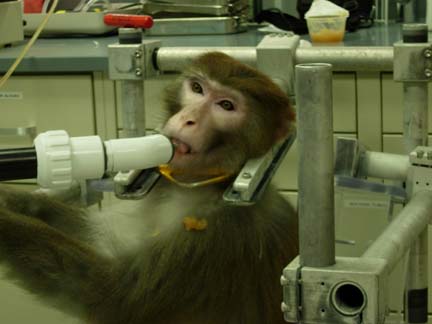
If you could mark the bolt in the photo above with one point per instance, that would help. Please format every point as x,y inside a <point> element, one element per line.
<point>420,154</point>
<point>428,53</point>
<point>428,73</point>
<point>246,175</point>
<point>285,308</point>
<point>138,72</point>
<point>284,281</point>
<point>138,54</point>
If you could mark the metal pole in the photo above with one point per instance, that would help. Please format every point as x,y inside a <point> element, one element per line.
<point>415,118</point>
<point>403,231</point>
<point>377,59</point>
<point>257,7</point>
<point>409,10</point>
<point>174,59</point>
<point>133,112</point>
<point>315,137</point>
<point>415,130</point>
<point>384,165</point>
<point>132,92</point>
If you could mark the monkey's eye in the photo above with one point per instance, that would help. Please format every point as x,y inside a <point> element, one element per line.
<point>226,105</point>
<point>196,87</point>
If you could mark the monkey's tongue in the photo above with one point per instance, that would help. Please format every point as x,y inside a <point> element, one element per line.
<point>181,147</point>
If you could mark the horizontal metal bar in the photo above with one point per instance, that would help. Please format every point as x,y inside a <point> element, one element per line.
<point>175,59</point>
<point>348,58</point>
<point>341,58</point>
<point>384,165</point>
<point>402,232</point>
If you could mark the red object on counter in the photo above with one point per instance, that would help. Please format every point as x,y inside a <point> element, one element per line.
<point>122,20</point>
<point>33,6</point>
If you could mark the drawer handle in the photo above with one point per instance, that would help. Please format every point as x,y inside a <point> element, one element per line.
<point>19,131</point>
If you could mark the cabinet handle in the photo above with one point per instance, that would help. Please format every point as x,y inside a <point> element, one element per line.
<point>29,131</point>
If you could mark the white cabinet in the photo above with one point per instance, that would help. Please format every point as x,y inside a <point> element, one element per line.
<point>48,102</point>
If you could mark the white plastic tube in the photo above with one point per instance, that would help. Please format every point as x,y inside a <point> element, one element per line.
<point>138,152</point>
<point>62,159</point>
<point>385,165</point>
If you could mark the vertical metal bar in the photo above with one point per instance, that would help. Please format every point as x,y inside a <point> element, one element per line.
<point>257,7</point>
<point>316,191</point>
<point>132,91</point>
<point>133,110</point>
<point>415,131</point>
<point>415,118</point>
<point>417,281</point>
<point>410,15</point>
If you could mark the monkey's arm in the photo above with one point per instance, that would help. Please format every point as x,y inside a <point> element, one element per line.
<point>50,264</point>
<point>65,217</point>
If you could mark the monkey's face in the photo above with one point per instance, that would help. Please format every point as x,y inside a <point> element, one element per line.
<point>207,127</point>
<point>222,113</point>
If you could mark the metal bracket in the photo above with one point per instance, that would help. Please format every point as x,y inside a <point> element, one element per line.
<point>135,184</point>
<point>276,57</point>
<point>412,62</point>
<point>132,61</point>
<point>348,151</point>
<point>352,291</point>
<point>256,174</point>
<point>420,172</point>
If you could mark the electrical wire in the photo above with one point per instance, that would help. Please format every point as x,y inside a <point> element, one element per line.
<point>28,45</point>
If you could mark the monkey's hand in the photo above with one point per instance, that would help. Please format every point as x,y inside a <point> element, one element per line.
<point>49,263</point>
<point>60,215</point>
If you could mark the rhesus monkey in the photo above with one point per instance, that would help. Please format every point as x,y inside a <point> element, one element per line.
<point>181,255</point>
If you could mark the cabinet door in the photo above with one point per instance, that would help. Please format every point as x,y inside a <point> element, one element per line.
<point>45,102</point>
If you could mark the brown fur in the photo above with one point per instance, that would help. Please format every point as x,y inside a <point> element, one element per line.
<point>227,273</point>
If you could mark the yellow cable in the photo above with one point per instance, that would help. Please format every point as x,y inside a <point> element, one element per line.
<point>166,171</point>
<point>29,44</point>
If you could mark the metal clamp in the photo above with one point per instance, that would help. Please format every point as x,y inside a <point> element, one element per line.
<point>420,171</point>
<point>132,61</point>
<point>335,294</point>
<point>413,62</point>
<point>276,56</point>
<point>256,175</point>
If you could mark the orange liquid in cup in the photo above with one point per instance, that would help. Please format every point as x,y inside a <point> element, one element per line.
<point>328,36</point>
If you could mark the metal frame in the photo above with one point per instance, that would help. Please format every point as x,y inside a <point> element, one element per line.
<point>319,287</point>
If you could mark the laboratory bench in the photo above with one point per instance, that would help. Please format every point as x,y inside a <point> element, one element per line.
<point>63,84</point>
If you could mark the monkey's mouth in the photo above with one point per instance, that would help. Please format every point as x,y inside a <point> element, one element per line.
<point>181,147</point>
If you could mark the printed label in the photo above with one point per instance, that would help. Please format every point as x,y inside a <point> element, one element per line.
<point>354,203</point>
<point>11,95</point>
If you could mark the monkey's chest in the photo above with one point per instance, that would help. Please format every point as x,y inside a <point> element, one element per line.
<point>159,212</point>
<point>180,211</point>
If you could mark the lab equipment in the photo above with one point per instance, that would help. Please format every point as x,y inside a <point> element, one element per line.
<point>57,160</point>
<point>354,290</point>
<point>11,29</point>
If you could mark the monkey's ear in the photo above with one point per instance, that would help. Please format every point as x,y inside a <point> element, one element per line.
<point>286,124</point>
